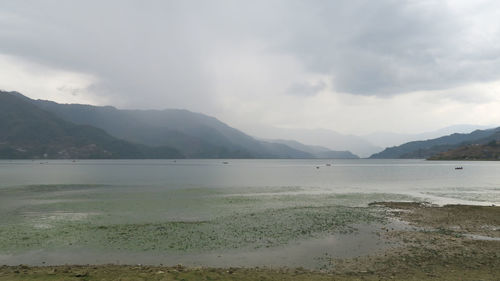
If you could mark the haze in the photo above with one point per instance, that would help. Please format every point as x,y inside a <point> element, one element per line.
<point>355,67</point>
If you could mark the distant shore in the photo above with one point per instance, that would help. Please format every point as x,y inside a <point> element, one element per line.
<point>453,242</point>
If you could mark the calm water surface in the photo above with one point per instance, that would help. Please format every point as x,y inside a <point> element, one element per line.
<point>477,183</point>
<point>192,211</point>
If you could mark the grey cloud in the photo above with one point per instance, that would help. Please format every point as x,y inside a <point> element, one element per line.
<point>74,91</point>
<point>141,53</point>
<point>306,89</point>
<point>144,52</point>
<point>390,47</point>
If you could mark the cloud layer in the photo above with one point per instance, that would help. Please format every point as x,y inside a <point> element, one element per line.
<point>279,63</point>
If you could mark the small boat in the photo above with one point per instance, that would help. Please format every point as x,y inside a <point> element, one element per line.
<point>225,162</point>
<point>459,168</point>
<point>328,164</point>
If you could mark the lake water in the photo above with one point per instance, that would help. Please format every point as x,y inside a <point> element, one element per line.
<point>207,212</point>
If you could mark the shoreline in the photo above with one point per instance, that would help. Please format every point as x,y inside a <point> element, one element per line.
<point>440,246</point>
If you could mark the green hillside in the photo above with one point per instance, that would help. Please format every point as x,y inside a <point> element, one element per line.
<point>195,135</point>
<point>26,131</point>
<point>428,148</point>
<point>488,151</point>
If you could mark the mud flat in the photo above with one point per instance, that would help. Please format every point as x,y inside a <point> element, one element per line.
<point>452,242</point>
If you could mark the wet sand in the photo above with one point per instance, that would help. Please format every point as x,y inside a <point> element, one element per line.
<point>453,242</point>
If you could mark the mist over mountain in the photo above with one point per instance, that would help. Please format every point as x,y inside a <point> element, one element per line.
<point>195,135</point>
<point>40,128</point>
<point>318,151</point>
<point>26,131</point>
<point>321,137</point>
<point>431,147</point>
<point>172,133</point>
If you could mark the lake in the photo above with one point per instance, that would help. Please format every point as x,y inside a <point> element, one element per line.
<point>217,212</point>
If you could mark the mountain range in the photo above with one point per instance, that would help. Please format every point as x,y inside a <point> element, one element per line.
<point>318,151</point>
<point>389,139</point>
<point>26,131</point>
<point>362,145</point>
<point>320,137</point>
<point>489,151</point>
<point>45,129</point>
<point>432,147</point>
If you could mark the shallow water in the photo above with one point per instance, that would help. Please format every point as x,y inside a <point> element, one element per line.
<point>204,212</point>
<point>308,253</point>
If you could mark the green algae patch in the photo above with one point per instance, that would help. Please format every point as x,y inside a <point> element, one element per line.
<point>52,217</point>
<point>261,229</point>
<point>266,228</point>
<point>19,238</point>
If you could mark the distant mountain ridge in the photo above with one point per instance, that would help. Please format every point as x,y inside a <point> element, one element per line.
<point>189,134</point>
<point>327,138</point>
<point>318,151</point>
<point>195,135</point>
<point>429,148</point>
<point>390,139</point>
<point>489,151</point>
<point>28,132</point>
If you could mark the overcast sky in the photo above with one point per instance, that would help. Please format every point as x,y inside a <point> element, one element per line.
<point>354,66</point>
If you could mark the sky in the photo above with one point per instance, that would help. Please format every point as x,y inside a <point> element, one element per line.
<point>353,66</point>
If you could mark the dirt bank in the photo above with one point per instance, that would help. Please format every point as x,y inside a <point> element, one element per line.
<point>454,242</point>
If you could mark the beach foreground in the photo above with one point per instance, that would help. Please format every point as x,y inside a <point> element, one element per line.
<point>453,242</point>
